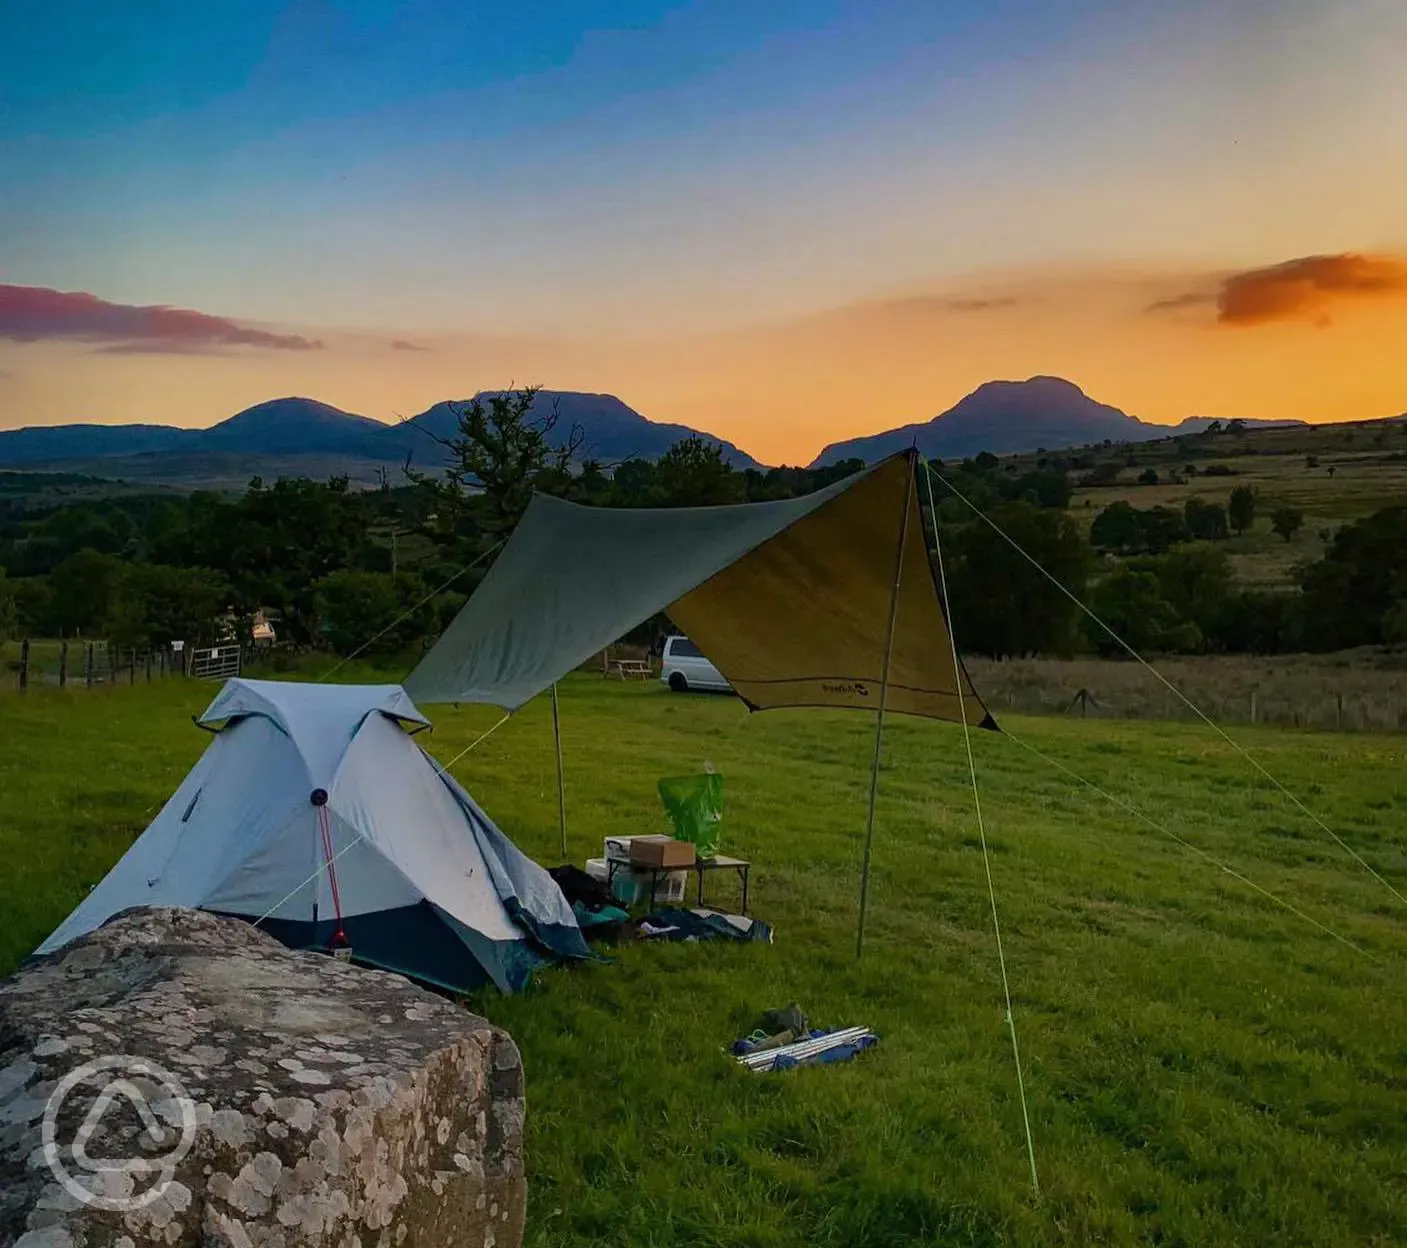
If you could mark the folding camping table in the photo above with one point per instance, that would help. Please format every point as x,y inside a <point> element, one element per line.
<point>699,866</point>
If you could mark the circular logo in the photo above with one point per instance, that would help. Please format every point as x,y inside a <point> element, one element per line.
<point>168,1124</point>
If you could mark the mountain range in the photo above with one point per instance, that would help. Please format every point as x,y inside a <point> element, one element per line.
<point>1009,417</point>
<point>299,436</point>
<point>293,435</point>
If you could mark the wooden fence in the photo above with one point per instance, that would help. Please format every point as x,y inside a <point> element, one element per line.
<point>81,664</point>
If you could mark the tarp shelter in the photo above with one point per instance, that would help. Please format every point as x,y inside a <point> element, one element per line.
<point>828,600</point>
<point>314,813</point>
<point>791,600</point>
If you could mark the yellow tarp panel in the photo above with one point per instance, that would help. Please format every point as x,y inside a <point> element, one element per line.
<point>802,620</point>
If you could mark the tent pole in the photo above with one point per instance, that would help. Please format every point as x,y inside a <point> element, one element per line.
<point>879,714</point>
<point>561,787</point>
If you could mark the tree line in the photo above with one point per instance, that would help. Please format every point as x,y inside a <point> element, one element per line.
<point>383,570</point>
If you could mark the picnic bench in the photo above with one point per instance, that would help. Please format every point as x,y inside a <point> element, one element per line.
<point>627,668</point>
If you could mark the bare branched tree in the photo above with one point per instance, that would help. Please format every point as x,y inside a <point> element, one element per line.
<point>500,455</point>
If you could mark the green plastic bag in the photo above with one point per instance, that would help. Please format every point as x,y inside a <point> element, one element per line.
<point>695,807</point>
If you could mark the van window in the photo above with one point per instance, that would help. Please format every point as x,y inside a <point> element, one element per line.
<point>683,648</point>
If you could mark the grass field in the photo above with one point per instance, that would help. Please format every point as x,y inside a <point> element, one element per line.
<point>1202,1067</point>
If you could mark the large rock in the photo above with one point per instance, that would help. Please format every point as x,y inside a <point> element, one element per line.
<point>326,1104</point>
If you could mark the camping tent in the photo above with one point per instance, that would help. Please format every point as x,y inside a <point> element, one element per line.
<point>815,601</point>
<point>315,814</point>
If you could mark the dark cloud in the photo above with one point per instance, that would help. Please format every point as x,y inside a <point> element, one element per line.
<point>981,305</point>
<point>1193,299</point>
<point>910,306</point>
<point>400,344</point>
<point>38,314</point>
<point>1304,289</point>
<point>1297,290</point>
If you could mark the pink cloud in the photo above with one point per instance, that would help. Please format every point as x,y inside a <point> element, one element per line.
<point>39,314</point>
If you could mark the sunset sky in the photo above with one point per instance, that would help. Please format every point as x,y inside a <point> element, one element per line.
<point>785,222</point>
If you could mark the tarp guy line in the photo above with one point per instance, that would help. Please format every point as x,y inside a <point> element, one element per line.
<point>1211,723</point>
<point>879,716</point>
<point>405,615</point>
<point>1186,844</point>
<point>982,835</point>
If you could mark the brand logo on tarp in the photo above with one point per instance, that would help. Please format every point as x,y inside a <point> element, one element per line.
<point>117,1087</point>
<point>853,687</point>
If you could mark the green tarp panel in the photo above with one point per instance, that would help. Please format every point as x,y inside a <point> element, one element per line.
<point>789,599</point>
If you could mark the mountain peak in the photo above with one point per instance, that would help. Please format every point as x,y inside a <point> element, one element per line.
<point>1003,417</point>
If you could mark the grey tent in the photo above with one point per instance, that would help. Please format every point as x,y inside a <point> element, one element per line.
<point>314,814</point>
<point>813,601</point>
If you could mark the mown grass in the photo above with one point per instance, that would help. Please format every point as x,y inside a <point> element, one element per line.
<point>1202,1066</point>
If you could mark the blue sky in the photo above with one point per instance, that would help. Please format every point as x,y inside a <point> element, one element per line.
<point>601,171</point>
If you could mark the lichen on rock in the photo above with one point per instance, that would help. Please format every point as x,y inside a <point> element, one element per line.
<point>328,1104</point>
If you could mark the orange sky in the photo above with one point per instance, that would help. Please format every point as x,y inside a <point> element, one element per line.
<point>1317,339</point>
<point>783,223</point>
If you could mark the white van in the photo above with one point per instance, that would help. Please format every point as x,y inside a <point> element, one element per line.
<point>683,667</point>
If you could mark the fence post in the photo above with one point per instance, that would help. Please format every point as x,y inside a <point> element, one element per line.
<point>132,666</point>
<point>88,666</point>
<point>24,665</point>
<point>1338,711</point>
<point>1253,706</point>
<point>63,665</point>
<point>148,667</point>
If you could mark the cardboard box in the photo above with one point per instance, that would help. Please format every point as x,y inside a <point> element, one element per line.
<point>618,847</point>
<point>661,851</point>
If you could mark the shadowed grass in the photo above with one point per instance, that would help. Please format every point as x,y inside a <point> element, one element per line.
<point>1202,1066</point>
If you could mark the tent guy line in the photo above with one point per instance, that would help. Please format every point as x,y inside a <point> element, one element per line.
<point>329,863</point>
<point>1175,691</point>
<point>982,836</point>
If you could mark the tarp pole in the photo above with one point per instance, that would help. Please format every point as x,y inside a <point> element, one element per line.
<point>879,714</point>
<point>561,787</point>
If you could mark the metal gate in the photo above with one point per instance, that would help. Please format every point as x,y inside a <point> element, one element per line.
<point>214,663</point>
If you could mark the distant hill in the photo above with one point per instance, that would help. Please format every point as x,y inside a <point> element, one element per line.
<point>612,430</point>
<point>294,427</point>
<point>40,444</point>
<point>292,436</point>
<point>1200,424</point>
<point>1009,417</point>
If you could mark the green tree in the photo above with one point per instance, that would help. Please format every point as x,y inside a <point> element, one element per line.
<point>633,483</point>
<point>1046,487</point>
<point>695,473</point>
<point>1196,580</point>
<point>1117,529</point>
<point>1131,603</point>
<point>154,605</point>
<point>1002,606</point>
<point>9,617</point>
<point>503,451</point>
<point>1259,622</point>
<point>1162,528</point>
<point>1149,476</point>
<point>1206,522</point>
<point>1394,626</point>
<point>1241,508</point>
<point>1351,592</point>
<point>84,591</point>
<point>1286,521</point>
<point>355,606</point>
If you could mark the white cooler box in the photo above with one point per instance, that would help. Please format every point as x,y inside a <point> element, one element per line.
<point>631,887</point>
